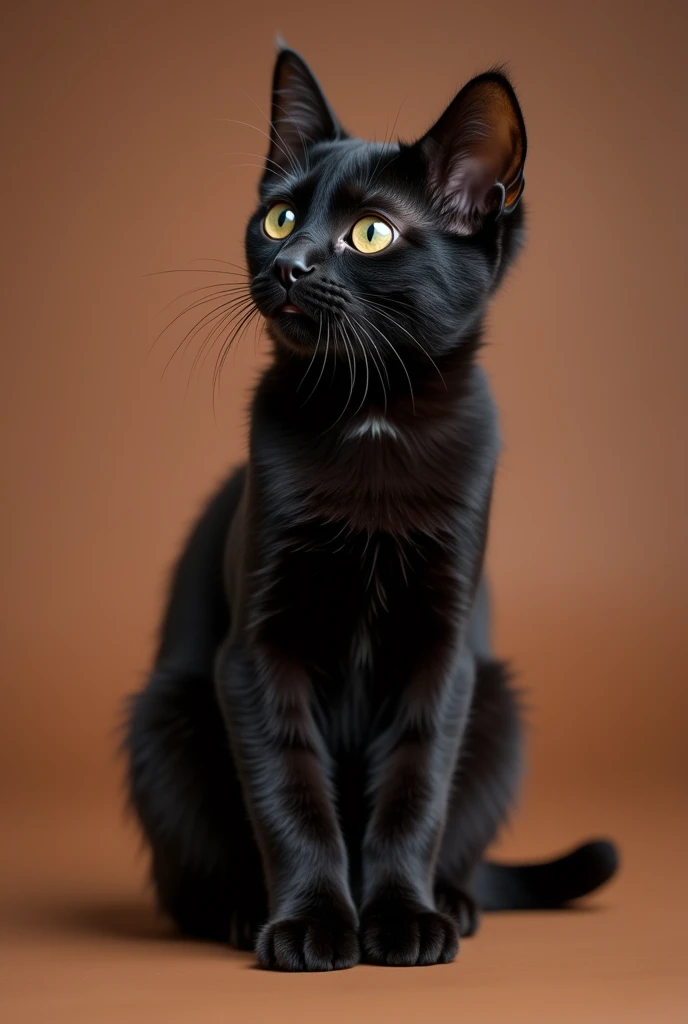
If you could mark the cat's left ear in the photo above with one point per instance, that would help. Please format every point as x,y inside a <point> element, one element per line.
<point>475,153</point>
<point>300,114</point>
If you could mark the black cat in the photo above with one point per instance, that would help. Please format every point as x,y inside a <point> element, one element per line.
<point>327,744</point>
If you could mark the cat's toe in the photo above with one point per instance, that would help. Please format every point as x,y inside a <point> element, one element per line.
<point>408,937</point>
<point>459,905</point>
<point>308,944</point>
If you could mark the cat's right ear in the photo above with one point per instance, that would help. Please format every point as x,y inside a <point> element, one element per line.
<point>475,153</point>
<point>300,115</point>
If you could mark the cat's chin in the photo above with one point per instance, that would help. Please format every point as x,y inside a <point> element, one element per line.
<point>298,331</point>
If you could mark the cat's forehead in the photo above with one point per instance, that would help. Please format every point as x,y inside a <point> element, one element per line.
<point>339,173</point>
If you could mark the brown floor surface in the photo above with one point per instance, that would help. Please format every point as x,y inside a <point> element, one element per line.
<point>81,942</point>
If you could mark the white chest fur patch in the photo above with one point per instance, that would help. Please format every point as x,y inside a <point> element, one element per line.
<point>374,426</point>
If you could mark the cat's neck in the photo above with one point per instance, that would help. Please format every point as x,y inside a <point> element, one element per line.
<point>343,455</point>
<point>373,393</point>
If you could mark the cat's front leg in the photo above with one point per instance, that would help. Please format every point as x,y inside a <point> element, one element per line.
<point>283,768</point>
<point>411,771</point>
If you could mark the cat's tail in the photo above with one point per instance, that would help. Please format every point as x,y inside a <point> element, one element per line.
<point>547,884</point>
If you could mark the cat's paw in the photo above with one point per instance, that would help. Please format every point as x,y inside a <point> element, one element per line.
<point>459,905</point>
<point>308,944</point>
<point>402,936</point>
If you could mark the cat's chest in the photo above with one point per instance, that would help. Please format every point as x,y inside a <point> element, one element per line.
<point>377,428</point>
<point>353,608</point>
<point>364,611</point>
<point>385,476</point>
<point>333,592</point>
<point>393,628</point>
<point>355,694</point>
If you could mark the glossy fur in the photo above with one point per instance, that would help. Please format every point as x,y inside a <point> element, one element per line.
<point>327,744</point>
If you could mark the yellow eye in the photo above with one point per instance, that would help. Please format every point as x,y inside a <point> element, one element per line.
<point>370,234</point>
<point>280,221</point>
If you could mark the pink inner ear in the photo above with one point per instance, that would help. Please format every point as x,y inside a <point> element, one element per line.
<point>478,142</point>
<point>467,188</point>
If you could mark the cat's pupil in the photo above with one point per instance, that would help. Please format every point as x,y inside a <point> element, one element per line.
<point>370,232</point>
<point>282,217</point>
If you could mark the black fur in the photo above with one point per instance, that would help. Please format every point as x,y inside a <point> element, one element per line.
<point>327,743</point>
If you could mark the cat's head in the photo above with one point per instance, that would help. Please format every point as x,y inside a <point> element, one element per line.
<point>379,248</point>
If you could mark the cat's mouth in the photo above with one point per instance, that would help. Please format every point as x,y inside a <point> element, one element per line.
<point>292,314</point>
<point>299,316</point>
<point>296,326</point>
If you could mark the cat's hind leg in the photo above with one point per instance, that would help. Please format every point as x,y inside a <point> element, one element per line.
<point>182,781</point>
<point>485,784</point>
<point>206,868</point>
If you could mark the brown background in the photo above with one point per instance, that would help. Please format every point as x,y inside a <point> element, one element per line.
<point>118,163</point>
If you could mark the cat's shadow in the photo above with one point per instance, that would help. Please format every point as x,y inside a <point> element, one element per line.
<point>125,920</point>
<point>116,919</point>
<point>137,920</point>
<point>130,921</point>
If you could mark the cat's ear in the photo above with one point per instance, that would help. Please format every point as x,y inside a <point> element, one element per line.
<point>475,153</point>
<point>300,113</point>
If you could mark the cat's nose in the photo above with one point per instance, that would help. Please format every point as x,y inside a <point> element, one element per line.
<point>289,269</point>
